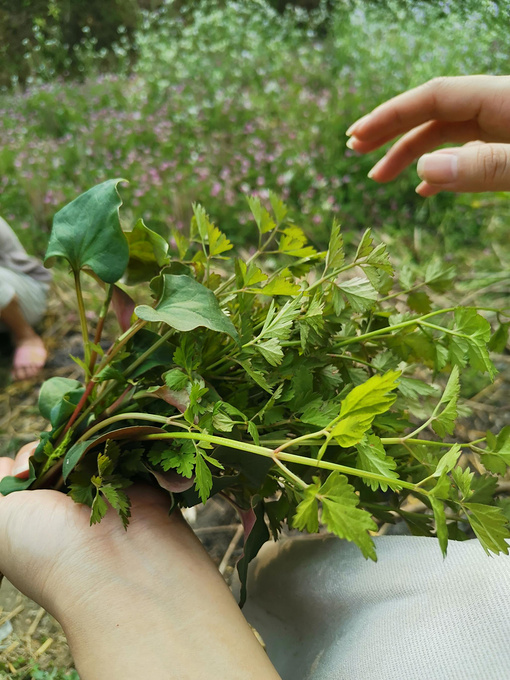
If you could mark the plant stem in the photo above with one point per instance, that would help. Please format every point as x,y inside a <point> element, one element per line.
<point>100,324</point>
<point>299,440</point>
<point>288,457</point>
<point>396,327</point>
<point>123,416</point>
<point>148,352</point>
<point>83,322</point>
<point>114,349</point>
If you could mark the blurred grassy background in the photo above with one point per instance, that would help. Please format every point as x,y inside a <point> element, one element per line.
<point>208,101</point>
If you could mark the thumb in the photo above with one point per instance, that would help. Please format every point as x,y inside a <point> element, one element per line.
<point>472,168</point>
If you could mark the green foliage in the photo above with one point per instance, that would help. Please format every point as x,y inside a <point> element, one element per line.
<point>225,386</point>
<point>185,304</point>
<point>87,233</point>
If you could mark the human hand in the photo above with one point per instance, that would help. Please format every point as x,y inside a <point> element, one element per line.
<point>470,110</point>
<point>148,597</point>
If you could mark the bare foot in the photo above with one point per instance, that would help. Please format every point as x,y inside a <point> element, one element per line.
<point>29,357</point>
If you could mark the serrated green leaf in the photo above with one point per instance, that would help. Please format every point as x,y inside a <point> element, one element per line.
<point>335,256</point>
<point>203,478</point>
<point>439,275</point>
<point>366,245</point>
<point>271,350</point>
<point>256,376</point>
<point>490,526</point>
<point>319,412</point>
<point>99,509</point>
<point>119,501</point>
<point>306,517</point>
<point>448,461</point>
<point>248,275</point>
<point>442,487</point>
<point>341,515</point>
<point>444,422</point>
<point>279,285</point>
<point>441,526</point>
<point>372,458</point>
<point>254,433</point>
<point>278,324</point>
<point>280,210</point>
<point>293,242</point>
<point>476,333</point>
<point>412,388</point>
<point>361,405</point>
<point>463,479</point>
<point>175,379</point>
<point>359,292</point>
<point>217,241</point>
<point>265,222</point>
<point>174,458</point>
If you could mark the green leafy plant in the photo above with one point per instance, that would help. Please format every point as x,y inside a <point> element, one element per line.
<point>306,387</point>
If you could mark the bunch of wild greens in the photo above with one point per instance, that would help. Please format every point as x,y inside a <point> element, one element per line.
<point>284,380</point>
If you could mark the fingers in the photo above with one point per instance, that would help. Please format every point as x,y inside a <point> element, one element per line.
<point>473,168</point>
<point>21,468</point>
<point>5,467</point>
<point>457,99</point>
<point>419,141</point>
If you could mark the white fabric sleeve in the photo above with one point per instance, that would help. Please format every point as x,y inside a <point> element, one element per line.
<point>326,613</point>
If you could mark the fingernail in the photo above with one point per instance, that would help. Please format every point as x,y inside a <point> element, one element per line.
<point>350,143</point>
<point>440,168</point>
<point>356,124</point>
<point>375,169</point>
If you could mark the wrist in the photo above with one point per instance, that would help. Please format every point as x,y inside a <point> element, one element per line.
<point>160,604</point>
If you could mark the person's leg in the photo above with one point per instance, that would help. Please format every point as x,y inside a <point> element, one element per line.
<point>326,613</point>
<point>22,304</point>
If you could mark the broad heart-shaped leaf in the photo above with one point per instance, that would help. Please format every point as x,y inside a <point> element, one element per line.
<point>11,484</point>
<point>87,233</point>
<point>185,304</point>
<point>58,397</point>
<point>148,252</point>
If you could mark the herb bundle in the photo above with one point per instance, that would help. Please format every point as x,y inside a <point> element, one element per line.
<point>285,381</point>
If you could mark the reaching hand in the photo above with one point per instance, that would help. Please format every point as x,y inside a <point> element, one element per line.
<point>470,110</point>
<point>148,597</point>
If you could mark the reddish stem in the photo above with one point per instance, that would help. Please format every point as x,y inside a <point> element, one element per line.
<point>79,406</point>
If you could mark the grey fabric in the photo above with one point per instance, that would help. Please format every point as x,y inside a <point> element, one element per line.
<point>21,276</point>
<point>31,295</point>
<point>14,257</point>
<point>326,613</point>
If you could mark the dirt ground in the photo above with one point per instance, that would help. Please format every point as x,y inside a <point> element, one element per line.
<point>30,639</point>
